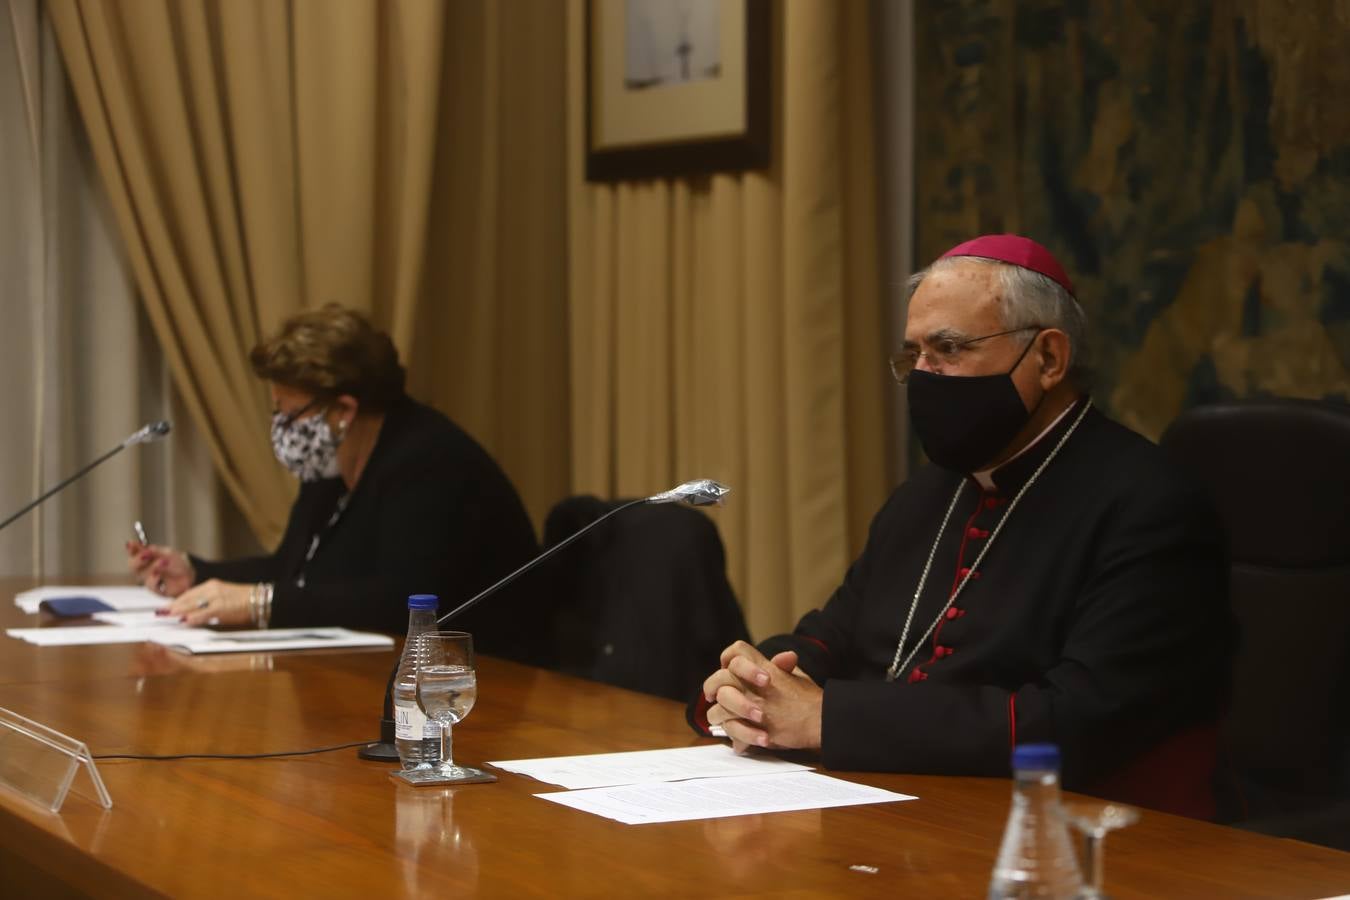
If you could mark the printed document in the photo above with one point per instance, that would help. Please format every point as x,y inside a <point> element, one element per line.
<point>714,798</point>
<point>643,766</point>
<point>199,640</point>
<point>98,634</point>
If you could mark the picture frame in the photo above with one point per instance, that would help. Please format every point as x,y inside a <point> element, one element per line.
<point>676,87</point>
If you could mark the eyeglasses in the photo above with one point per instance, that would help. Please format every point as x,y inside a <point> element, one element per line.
<point>945,353</point>
<point>286,419</point>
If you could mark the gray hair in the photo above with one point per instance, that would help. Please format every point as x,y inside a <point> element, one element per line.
<point>1030,298</point>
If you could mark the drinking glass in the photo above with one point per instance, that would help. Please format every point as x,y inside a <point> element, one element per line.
<point>1095,821</point>
<point>447,686</point>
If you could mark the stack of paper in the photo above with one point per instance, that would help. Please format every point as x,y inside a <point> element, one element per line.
<point>144,618</point>
<point>645,766</point>
<point>199,640</point>
<point>98,634</point>
<point>119,597</point>
<point>133,620</point>
<point>133,610</point>
<point>705,782</point>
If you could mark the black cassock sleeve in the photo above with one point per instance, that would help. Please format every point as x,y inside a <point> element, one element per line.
<point>1135,662</point>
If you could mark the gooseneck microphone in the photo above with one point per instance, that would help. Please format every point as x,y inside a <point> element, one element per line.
<point>151,432</point>
<point>703,492</point>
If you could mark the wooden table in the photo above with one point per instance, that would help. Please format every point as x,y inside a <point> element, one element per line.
<point>333,825</point>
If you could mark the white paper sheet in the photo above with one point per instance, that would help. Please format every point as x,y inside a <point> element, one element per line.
<point>119,597</point>
<point>97,634</point>
<point>141,618</point>
<point>205,641</point>
<point>643,766</point>
<point>715,798</point>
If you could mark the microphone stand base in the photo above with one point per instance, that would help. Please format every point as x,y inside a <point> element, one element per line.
<point>379,751</point>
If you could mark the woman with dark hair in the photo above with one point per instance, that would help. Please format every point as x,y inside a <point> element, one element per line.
<point>395,499</point>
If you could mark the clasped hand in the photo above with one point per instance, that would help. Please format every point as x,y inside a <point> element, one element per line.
<point>763,702</point>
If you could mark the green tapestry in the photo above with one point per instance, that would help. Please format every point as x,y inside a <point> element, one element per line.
<point>1189,163</point>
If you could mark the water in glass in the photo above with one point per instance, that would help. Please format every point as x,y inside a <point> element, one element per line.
<point>447,693</point>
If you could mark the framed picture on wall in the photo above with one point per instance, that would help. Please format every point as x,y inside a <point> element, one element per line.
<point>675,87</point>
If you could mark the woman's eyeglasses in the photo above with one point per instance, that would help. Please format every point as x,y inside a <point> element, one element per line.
<point>285,419</point>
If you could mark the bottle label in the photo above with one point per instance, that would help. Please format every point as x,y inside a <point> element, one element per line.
<point>410,723</point>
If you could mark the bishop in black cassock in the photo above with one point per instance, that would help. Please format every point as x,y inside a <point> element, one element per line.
<point>1075,593</point>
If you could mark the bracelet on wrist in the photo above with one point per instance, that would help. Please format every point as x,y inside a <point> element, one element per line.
<point>264,612</point>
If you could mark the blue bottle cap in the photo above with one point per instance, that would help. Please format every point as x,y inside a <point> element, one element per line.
<point>1035,756</point>
<point>423,601</point>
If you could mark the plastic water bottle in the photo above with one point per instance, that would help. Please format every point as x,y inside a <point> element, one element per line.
<point>418,738</point>
<point>1037,857</point>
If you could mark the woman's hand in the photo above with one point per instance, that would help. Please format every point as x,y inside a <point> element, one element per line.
<point>163,570</point>
<point>214,602</point>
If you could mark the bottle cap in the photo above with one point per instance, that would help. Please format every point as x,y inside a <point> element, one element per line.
<point>423,601</point>
<point>1035,756</point>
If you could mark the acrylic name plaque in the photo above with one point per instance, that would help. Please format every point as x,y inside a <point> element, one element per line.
<point>40,764</point>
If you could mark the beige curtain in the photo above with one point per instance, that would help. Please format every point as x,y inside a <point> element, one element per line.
<point>491,341</point>
<point>260,157</point>
<point>732,327</point>
<point>80,366</point>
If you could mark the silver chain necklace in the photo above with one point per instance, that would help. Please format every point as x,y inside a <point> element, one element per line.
<point>896,665</point>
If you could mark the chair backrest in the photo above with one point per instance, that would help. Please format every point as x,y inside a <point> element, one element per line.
<point>1279,473</point>
<point>642,602</point>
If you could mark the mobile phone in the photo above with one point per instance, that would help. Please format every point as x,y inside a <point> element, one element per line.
<point>66,607</point>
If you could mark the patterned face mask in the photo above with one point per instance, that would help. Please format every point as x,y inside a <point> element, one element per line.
<point>306,447</point>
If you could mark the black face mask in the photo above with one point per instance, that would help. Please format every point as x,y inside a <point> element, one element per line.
<point>964,421</point>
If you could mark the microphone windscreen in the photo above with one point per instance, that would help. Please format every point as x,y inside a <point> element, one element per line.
<point>703,492</point>
<point>153,431</point>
